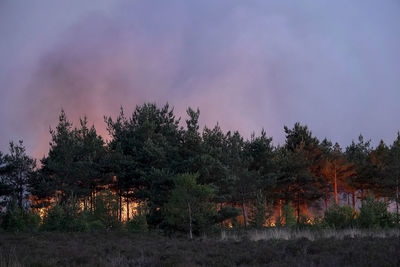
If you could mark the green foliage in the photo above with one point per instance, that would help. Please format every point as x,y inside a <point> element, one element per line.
<point>260,212</point>
<point>297,181</point>
<point>288,218</point>
<point>16,220</point>
<point>359,155</point>
<point>96,225</point>
<point>75,162</point>
<point>189,208</point>
<point>138,223</point>
<point>151,156</point>
<point>16,169</point>
<point>374,214</point>
<point>226,213</point>
<point>65,217</point>
<point>69,216</point>
<point>150,145</point>
<point>106,210</point>
<point>339,217</point>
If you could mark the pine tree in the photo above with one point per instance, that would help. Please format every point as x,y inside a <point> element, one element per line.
<point>16,172</point>
<point>73,166</point>
<point>392,183</point>
<point>149,148</point>
<point>189,206</point>
<point>359,155</point>
<point>296,181</point>
<point>336,169</point>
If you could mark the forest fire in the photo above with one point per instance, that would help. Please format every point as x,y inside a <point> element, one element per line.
<point>163,175</point>
<point>106,159</point>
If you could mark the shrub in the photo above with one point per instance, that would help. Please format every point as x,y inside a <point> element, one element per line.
<point>227,213</point>
<point>65,217</point>
<point>96,225</point>
<point>260,212</point>
<point>288,217</point>
<point>13,219</point>
<point>32,221</point>
<point>374,214</point>
<point>138,223</point>
<point>339,217</point>
<point>17,220</point>
<point>189,208</point>
<point>106,210</point>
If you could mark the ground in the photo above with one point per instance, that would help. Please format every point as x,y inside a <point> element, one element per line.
<point>129,249</point>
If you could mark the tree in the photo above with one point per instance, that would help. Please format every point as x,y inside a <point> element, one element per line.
<point>298,136</point>
<point>296,180</point>
<point>359,155</point>
<point>89,161</point>
<point>261,211</point>
<point>340,217</point>
<point>16,172</point>
<point>379,160</point>
<point>262,160</point>
<point>189,205</point>
<point>58,171</point>
<point>392,182</point>
<point>191,149</point>
<point>214,168</point>
<point>374,214</point>
<point>336,169</point>
<point>244,180</point>
<point>149,144</point>
<point>5,189</point>
<point>74,164</point>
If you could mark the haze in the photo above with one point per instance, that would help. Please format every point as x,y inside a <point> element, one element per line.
<point>333,65</point>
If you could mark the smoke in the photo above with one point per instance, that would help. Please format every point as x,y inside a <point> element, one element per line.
<point>246,65</point>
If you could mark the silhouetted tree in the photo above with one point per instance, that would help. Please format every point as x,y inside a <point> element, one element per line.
<point>359,155</point>
<point>16,172</point>
<point>150,142</point>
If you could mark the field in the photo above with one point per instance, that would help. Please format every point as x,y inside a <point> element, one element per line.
<point>271,248</point>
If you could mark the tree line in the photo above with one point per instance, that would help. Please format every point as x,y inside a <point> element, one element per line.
<point>182,179</point>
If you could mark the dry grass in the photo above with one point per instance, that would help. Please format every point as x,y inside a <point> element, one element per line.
<point>312,235</point>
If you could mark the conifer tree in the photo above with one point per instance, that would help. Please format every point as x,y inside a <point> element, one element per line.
<point>359,155</point>
<point>16,172</point>
<point>336,169</point>
<point>189,205</point>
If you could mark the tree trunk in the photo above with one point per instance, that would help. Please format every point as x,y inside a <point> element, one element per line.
<point>120,207</point>
<point>190,221</point>
<point>20,191</point>
<point>127,208</point>
<point>20,196</point>
<point>92,201</point>
<point>397,199</point>
<point>362,196</point>
<point>335,181</point>
<point>244,213</point>
<point>326,204</point>
<point>220,208</point>
<point>298,208</point>
<point>354,200</point>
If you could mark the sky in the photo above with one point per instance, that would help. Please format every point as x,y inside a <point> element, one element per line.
<point>247,65</point>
